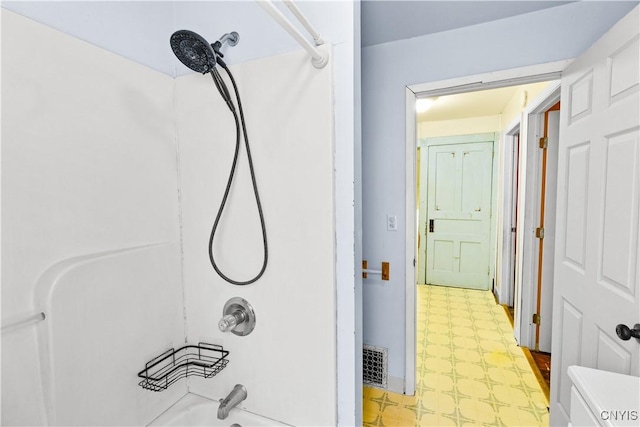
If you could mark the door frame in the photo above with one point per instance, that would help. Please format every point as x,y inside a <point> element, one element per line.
<point>510,77</point>
<point>528,216</point>
<point>504,262</point>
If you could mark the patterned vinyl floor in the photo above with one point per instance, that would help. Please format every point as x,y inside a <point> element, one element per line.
<point>470,372</point>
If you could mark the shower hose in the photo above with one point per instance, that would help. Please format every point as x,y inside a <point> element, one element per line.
<point>217,79</point>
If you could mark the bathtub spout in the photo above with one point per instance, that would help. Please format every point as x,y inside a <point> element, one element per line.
<point>237,395</point>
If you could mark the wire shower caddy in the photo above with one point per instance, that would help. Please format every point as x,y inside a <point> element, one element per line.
<point>202,360</point>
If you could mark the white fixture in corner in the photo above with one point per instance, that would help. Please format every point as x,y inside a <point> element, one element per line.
<point>602,398</point>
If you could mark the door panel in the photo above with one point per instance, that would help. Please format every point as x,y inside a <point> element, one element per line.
<point>612,356</point>
<point>444,188</point>
<point>459,204</point>
<point>620,212</point>
<point>571,322</point>
<point>596,276</point>
<point>471,257</point>
<point>443,256</point>
<point>472,183</point>
<point>577,189</point>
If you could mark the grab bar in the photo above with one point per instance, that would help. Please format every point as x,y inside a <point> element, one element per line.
<point>384,272</point>
<point>318,58</point>
<point>35,318</point>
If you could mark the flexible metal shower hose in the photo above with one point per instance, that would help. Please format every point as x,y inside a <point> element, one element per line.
<point>239,122</point>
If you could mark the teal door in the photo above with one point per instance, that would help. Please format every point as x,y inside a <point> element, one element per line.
<point>458,214</point>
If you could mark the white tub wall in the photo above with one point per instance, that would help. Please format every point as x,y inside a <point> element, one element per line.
<point>288,362</point>
<point>89,165</point>
<point>91,381</point>
<point>336,21</point>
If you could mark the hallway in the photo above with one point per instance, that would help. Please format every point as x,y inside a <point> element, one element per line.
<point>469,369</point>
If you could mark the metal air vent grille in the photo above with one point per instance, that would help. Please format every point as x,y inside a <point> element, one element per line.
<point>374,366</point>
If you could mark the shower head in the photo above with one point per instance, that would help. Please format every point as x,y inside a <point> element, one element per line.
<point>196,53</point>
<point>193,51</point>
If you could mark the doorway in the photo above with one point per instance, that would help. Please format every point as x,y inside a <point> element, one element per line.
<point>454,87</point>
<point>510,229</point>
<point>535,221</point>
<point>457,205</point>
<point>535,282</point>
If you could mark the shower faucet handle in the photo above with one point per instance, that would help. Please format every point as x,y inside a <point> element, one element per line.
<point>230,321</point>
<point>238,317</point>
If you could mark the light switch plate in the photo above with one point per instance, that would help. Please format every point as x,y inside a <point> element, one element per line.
<point>392,223</point>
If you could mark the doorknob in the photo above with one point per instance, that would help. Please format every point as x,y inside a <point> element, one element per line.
<point>625,334</point>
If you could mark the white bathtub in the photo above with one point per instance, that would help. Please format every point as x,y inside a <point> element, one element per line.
<point>195,410</point>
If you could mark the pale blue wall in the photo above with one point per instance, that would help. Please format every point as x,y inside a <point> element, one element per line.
<point>545,36</point>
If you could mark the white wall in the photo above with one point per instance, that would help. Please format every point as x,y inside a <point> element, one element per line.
<point>287,363</point>
<point>339,24</point>
<point>89,215</point>
<point>548,35</point>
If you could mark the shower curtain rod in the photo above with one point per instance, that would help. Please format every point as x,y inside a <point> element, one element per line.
<point>318,58</point>
<point>303,20</point>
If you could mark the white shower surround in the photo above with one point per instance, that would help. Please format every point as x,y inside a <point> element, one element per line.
<point>288,108</point>
<point>89,165</point>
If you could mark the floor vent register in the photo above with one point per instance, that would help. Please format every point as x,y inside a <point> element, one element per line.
<point>374,366</point>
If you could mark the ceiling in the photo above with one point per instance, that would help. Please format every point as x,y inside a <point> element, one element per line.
<point>138,30</point>
<point>480,103</point>
<point>473,104</point>
<point>387,21</point>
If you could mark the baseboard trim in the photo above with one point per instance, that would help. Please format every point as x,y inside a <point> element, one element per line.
<point>536,372</point>
<point>508,313</point>
<point>395,384</point>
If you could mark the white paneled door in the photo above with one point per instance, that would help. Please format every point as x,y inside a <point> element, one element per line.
<point>596,259</point>
<point>458,222</point>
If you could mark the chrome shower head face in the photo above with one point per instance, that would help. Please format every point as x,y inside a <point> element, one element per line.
<point>193,51</point>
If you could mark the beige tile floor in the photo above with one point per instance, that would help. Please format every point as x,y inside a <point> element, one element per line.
<point>470,371</point>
